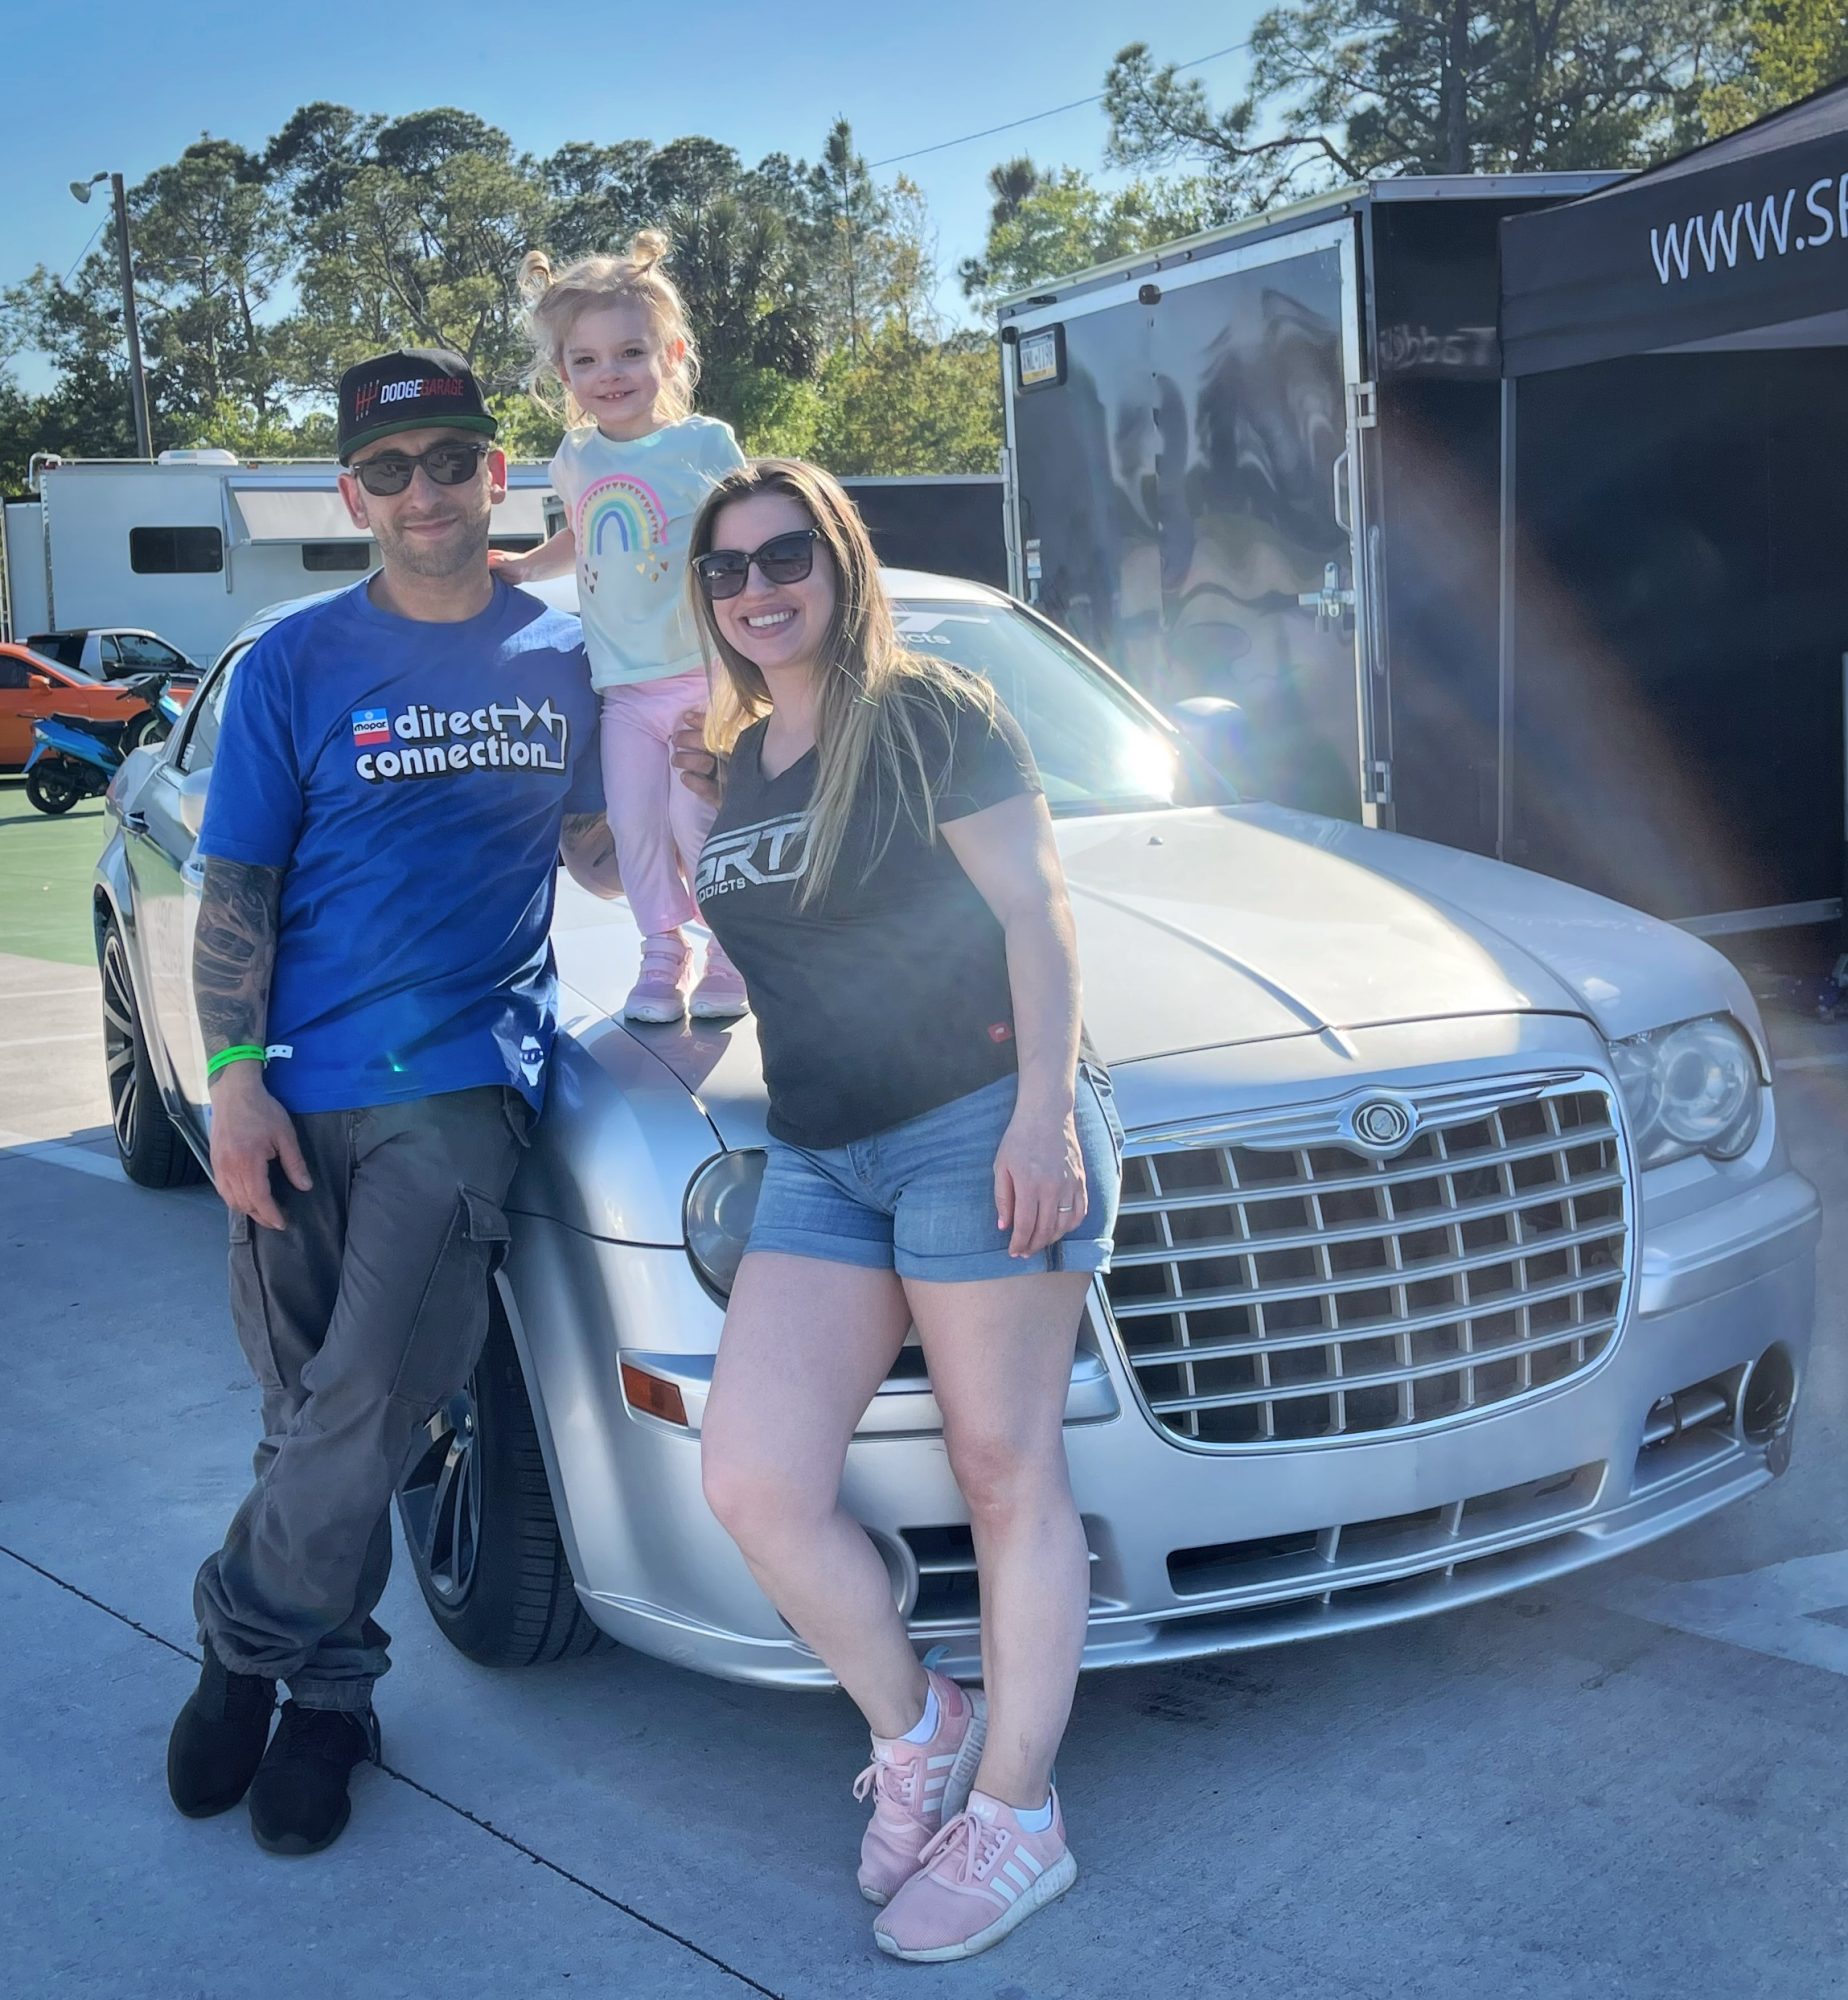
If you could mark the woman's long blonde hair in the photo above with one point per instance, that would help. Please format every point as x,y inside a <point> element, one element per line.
<point>866,711</point>
<point>555,299</point>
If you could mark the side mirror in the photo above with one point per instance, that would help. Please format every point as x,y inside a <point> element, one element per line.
<point>193,788</point>
<point>1214,730</point>
<point>39,683</point>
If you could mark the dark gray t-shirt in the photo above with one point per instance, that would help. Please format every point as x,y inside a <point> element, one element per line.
<point>889,997</point>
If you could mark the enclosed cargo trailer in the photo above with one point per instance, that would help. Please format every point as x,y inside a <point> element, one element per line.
<point>1262,464</point>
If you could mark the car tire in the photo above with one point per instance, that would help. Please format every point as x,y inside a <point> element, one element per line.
<point>148,1143</point>
<point>476,1510</point>
<point>50,790</point>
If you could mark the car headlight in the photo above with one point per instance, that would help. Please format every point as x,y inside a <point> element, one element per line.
<point>1692,1088</point>
<point>721,1203</point>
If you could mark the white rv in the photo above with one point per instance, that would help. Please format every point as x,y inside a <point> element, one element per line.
<point>194,544</point>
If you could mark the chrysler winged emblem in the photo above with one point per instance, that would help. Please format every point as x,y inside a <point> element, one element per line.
<point>1384,1124</point>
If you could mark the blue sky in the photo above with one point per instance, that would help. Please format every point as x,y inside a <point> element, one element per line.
<point>122,84</point>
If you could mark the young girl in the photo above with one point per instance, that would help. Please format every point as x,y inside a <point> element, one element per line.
<point>633,472</point>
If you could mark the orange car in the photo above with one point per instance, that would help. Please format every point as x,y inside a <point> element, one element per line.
<point>31,687</point>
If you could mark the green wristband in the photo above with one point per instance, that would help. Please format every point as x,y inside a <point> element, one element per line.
<point>244,1052</point>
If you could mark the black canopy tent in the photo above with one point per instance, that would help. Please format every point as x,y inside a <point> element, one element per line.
<point>1674,516</point>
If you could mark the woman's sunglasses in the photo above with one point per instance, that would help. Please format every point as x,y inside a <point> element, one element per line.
<point>782,559</point>
<point>392,471</point>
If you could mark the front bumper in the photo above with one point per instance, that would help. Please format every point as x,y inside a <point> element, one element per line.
<point>1192,1553</point>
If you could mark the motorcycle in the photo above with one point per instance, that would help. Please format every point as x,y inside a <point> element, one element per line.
<point>74,757</point>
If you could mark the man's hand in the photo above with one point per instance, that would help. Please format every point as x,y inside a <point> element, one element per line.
<point>249,1130</point>
<point>701,771</point>
<point>588,849</point>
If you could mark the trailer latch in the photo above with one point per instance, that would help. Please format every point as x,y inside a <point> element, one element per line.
<point>1331,603</point>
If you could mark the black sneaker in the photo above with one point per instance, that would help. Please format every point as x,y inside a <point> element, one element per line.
<point>298,1800</point>
<point>218,1738</point>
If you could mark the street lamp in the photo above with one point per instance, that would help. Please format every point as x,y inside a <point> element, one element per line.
<point>137,378</point>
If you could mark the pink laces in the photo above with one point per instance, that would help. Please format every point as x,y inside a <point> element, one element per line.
<point>980,1840</point>
<point>893,1781</point>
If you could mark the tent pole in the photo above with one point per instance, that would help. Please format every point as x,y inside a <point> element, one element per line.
<point>1841,971</point>
<point>1504,707</point>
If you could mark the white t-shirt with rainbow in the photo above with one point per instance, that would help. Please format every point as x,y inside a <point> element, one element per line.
<point>631,504</point>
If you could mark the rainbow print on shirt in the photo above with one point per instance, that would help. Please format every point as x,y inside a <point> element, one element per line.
<point>619,517</point>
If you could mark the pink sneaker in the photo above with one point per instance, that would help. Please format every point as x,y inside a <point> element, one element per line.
<point>917,1786</point>
<point>720,995</point>
<point>660,993</point>
<point>979,1877</point>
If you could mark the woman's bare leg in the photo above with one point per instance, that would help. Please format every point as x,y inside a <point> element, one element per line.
<point>1000,1357</point>
<point>805,1347</point>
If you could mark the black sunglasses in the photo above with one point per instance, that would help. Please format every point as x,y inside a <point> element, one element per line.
<point>782,559</point>
<point>451,464</point>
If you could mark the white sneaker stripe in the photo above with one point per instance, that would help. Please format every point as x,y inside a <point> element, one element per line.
<point>1002,1887</point>
<point>941,1763</point>
<point>1015,1873</point>
<point>1027,1855</point>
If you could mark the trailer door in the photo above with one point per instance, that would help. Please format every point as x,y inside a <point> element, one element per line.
<point>1188,498</point>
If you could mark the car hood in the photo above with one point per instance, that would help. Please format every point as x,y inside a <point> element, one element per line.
<point>1206,929</point>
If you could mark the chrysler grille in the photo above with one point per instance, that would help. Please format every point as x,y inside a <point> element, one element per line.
<point>1275,1284</point>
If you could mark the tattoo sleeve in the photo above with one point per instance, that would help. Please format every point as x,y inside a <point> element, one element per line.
<point>234,953</point>
<point>588,850</point>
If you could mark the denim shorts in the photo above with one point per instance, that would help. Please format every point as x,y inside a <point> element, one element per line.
<point>920,1198</point>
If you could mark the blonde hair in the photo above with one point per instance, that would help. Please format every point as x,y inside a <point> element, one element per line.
<point>554,301</point>
<point>867,706</point>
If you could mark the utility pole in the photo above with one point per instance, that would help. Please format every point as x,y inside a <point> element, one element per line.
<point>137,378</point>
<point>125,266</point>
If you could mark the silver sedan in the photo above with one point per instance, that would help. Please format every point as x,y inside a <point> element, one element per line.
<point>1459,1245</point>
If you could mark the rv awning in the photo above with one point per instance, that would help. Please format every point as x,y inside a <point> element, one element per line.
<point>1743,242</point>
<point>270,513</point>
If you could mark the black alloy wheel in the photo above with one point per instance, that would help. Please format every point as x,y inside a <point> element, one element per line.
<point>149,1145</point>
<point>52,789</point>
<point>476,1510</point>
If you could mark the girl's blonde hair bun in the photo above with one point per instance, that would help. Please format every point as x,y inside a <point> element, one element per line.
<point>648,248</point>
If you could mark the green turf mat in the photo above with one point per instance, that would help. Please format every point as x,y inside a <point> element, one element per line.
<point>45,870</point>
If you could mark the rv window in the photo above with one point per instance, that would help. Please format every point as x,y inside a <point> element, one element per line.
<point>175,551</point>
<point>337,555</point>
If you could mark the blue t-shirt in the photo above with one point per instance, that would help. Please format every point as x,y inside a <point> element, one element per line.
<point>409,780</point>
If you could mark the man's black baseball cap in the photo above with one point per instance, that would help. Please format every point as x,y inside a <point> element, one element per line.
<point>409,390</point>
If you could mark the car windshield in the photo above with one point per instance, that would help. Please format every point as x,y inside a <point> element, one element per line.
<point>64,647</point>
<point>1098,749</point>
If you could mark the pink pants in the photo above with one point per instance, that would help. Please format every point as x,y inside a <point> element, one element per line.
<point>659,826</point>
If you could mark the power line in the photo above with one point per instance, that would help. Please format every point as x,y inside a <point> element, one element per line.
<point>1033,118</point>
<point>85,251</point>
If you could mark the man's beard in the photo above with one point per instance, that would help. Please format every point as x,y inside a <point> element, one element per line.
<point>465,548</point>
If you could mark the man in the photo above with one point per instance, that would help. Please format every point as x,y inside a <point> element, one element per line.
<point>399,768</point>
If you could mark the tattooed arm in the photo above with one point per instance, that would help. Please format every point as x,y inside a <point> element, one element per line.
<point>234,954</point>
<point>588,850</point>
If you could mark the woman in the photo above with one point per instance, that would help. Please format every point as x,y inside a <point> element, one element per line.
<point>882,872</point>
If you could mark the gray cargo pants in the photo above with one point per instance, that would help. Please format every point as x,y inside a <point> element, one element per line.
<point>359,1319</point>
